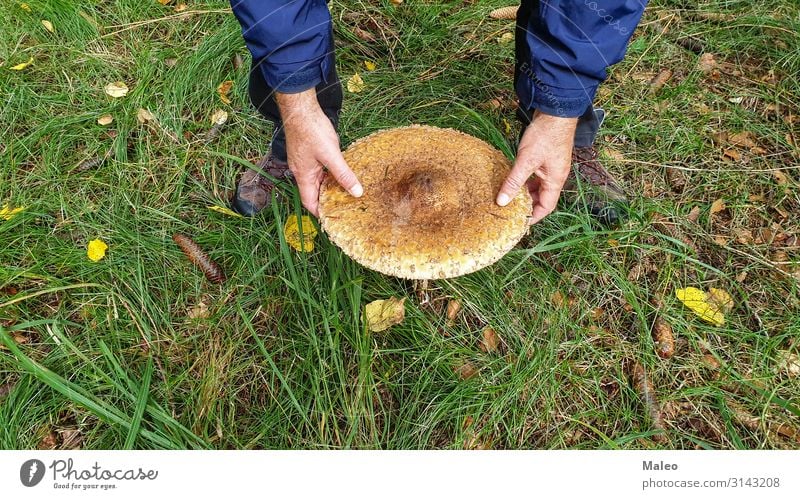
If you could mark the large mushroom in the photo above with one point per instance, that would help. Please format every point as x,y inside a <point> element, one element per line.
<point>428,209</point>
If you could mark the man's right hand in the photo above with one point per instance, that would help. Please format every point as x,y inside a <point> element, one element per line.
<point>311,143</point>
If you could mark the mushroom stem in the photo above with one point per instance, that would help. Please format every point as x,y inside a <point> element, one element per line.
<point>421,290</point>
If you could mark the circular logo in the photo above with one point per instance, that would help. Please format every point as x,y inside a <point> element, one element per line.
<point>31,472</point>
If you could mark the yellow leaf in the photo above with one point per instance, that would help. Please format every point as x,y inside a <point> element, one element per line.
<point>292,232</point>
<point>181,7</point>
<point>506,37</point>
<point>223,90</point>
<point>355,84</point>
<point>383,314</point>
<point>397,2</point>
<point>104,120</point>
<point>48,26</point>
<point>20,67</point>
<point>164,2</point>
<point>96,250</point>
<point>506,126</point>
<point>370,65</point>
<point>697,300</point>
<point>25,7</point>
<point>224,211</point>
<point>219,117</point>
<point>7,213</point>
<point>116,89</point>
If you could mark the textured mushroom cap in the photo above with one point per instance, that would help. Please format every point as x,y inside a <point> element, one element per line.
<point>428,209</point>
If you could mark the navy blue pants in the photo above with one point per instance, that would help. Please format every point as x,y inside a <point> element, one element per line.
<point>330,97</point>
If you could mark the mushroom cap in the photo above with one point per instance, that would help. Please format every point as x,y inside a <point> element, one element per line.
<point>428,209</point>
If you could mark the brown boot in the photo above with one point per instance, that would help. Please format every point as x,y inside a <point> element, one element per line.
<point>591,185</point>
<point>254,190</point>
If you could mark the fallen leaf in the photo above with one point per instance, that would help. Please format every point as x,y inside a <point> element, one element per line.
<point>355,84</point>
<point>383,314</point>
<point>116,89</point>
<point>370,66</point>
<point>453,307</point>
<point>397,2</point>
<point>199,311</point>
<point>170,62</point>
<point>104,120</point>
<point>644,387</point>
<point>143,116</point>
<point>71,439</point>
<point>732,154</point>
<point>226,211</point>
<point>466,371</point>
<point>292,233</point>
<point>24,6</point>
<point>20,67</point>
<point>700,303</point>
<point>96,250</point>
<point>223,90</point>
<point>706,63</point>
<point>363,34</point>
<point>219,118</point>
<point>164,2</point>
<point>743,139</point>
<point>780,177</point>
<point>717,206</point>
<point>660,80</point>
<point>507,37</point>
<point>663,338</point>
<point>676,179</point>
<point>721,299</point>
<point>48,26</point>
<point>710,362</point>
<point>7,213</point>
<point>694,214</point>
<point>490,341</point>
<point>181,7</point>
<point>788,362</point>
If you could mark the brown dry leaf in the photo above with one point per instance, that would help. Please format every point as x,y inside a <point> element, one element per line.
<point>720,138</point>
<point>717,206</point>
<point>710,362</point>
<point>732,154</point>
<point>71,439</point>
<point>199,311</point>
<point>491,341</point>
<point>743,236</point>
<point>466,370</point>
<point>780,177</point>
<point>721,299</point>
<point>676,179</point>
<point>364,34</point>
<point>170,62</point>
<point>613,154</point>
<point>383,314</point>
<point>788,363</point>
<point>453,307</point>
<point>181,7</point>
<point>706,63</point>
<point>663,338</point>
<point>116,89</point>
<point>223,90</point>
<point>105,120</point>
<point>694,214</point>
<point>397,2</point>
<point>743,139</point>
<point>597,313</point>
<point>355,84</point>
<point>660,80</point>
<point>143,116</point>
<point>48,442</point>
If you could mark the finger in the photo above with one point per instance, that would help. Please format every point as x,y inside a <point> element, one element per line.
<point>546,202</point>
<point>522,170</point>
<point>308,184</point>
<point>343,174</point>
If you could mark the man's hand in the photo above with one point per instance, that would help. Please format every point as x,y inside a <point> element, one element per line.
<point>544,156</point>
<point>311,143</point>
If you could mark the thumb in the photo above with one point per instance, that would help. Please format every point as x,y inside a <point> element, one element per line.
<point>517,177</point>
<point>343,174</point>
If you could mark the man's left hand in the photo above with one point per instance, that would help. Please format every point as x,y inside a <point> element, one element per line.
<point>543,161</point>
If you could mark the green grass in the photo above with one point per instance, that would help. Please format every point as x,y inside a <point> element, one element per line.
<point>283,359</point>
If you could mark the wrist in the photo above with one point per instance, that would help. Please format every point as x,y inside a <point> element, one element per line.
<point>293,106</point>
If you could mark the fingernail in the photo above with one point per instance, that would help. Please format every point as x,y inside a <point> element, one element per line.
<point>503,199</point>
<point>357,191</point>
